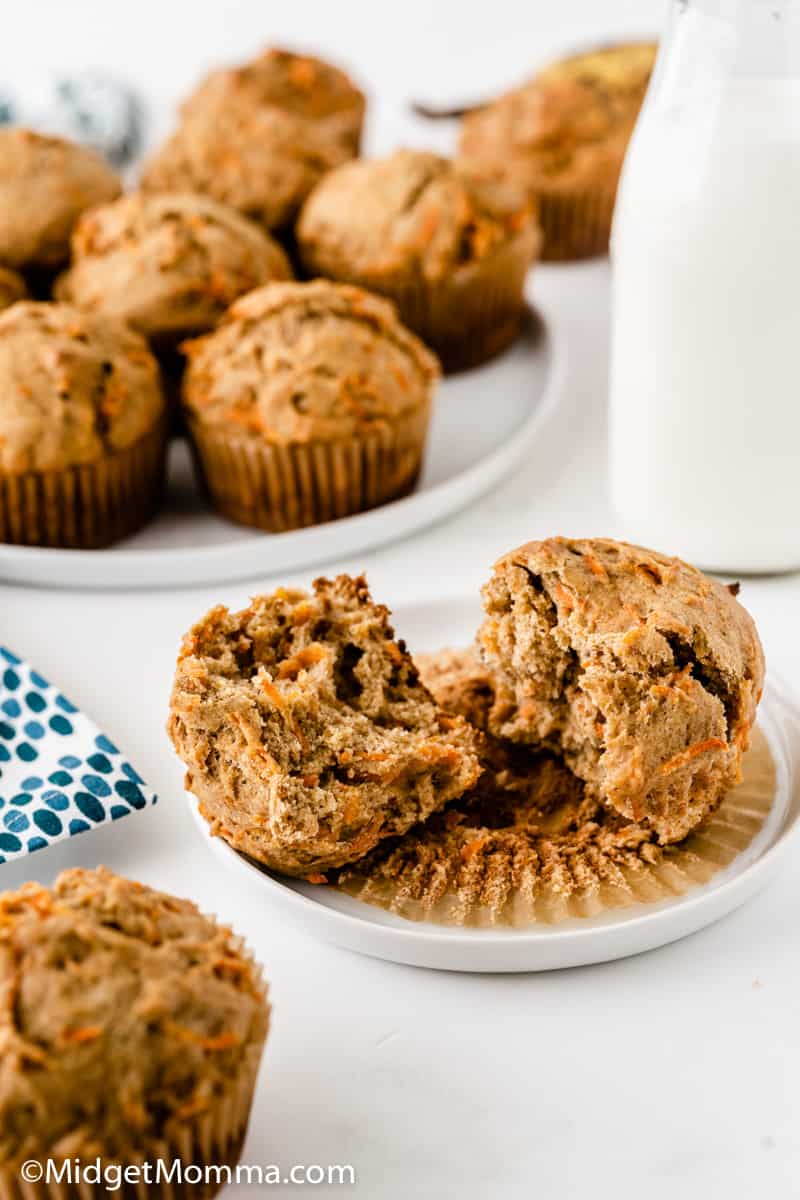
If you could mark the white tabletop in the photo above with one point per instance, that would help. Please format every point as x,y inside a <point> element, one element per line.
<point>673,1074</point>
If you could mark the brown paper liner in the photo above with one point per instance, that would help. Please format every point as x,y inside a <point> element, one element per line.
<point>277,487</point>
<point>522,881</point>
<point>89,506</point>
<point>576,224</point>
<point>213,1138</point>
<point>474,314</point>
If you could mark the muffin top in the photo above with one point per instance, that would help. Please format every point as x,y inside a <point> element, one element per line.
<point>12,287</point>
<point>569,125</point>
<point>294,362</point>
<point>411,214</point>
<point>298,83</point>
<point>168,264</point>
<point>73,387</point>
<point>45,184</point>
<point>125,1011</point>
<point>260,159</point>
<point>640,670</point>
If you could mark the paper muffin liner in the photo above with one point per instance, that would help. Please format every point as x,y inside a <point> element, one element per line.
<point>214,1138</point>
<point>88,506</point>
<point>576,224</point>
<point>475,313</point>
<point>565,879</point>
<point>281,487</point>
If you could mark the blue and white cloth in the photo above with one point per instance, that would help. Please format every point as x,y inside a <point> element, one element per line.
<point>59,775</point>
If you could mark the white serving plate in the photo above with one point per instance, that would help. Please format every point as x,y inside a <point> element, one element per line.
<point>354,925</point>
<point>484,423</point>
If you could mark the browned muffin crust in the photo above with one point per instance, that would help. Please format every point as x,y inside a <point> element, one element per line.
<point>642,672</point>
<point>74,387</point>
<point>125,1015</point>
<point>45,184</point>
<point>12,287</point>
<point>294,362</point>
<point>259,137</point>
<point>169,265</point>
<point>297,83</point>
<point>412,214</point>
<point>306,732</point>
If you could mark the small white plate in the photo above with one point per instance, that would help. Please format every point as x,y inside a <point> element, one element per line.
<point>485,422</point>
<point>354,925</point>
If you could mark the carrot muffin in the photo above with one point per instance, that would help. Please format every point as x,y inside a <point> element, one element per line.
<point>452,253</point>
<point>169,265</point>
<point>81,427</point>
<point>309,401</point>
<point>261,136</point>
<point>636,668</point>
<point>306,732</point>
<point>45,184</point>
<point>563,137</point>
<point>131,1027</point>
<point>12,287</point>
<point>297,83</point>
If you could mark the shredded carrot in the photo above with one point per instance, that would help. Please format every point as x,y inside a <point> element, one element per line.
<point>680,760</point>
<point>290,668</point>
<point>316,878</point>
<point>564,597</point>
<point>219,1041</point>
<point>311,780</point>
<point>595,566</point>
<point>469,851</point>
<point>85,1033</point>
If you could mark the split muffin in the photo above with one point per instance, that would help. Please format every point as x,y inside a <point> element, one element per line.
<point>132,1028</point>
<point>167,264</point>
<point>82,428</point>
<point>306,732</point>
<point>642,673</point>
<point>310,401</point>
<point>12,287</point>
<point>451,252</point>
<point>45,184</point>
<point>563,137</point>
<point>261,136</point>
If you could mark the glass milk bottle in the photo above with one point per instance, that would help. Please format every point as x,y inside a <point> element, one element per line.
<point>705,358</point>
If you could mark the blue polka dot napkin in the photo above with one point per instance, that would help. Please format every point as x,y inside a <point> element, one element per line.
<point>59,775</point>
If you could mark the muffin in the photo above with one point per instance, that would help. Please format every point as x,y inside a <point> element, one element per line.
<point>310,401</point>
<point>563,137</point>
<point>452,252</point>
<point>12,287</point>
<point>636,668</point>
<point>169,265</point>
<point>261,136</point>
<point>82,430</point>
<point>297,83</point>
<point>45,184</point>
<point>306,732</point>
<point>132,1030</point>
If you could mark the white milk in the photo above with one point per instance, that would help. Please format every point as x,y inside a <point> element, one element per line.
<point>705,376</point>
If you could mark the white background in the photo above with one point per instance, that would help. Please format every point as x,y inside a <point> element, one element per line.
<point>669,1075</point>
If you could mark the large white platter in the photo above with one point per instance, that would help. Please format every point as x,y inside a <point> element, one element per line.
<point>484,424</point>
<point>354,925</point>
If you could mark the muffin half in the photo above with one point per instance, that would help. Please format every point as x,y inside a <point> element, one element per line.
<point>562,138</point>
<point>306,733</point>
<point>167,264</point>
<point>309,402</point>
<point>82,428</point>
<point>132,1030</point>
<point>451,252</point>
<point>638,669</point>
<point>45,184</point>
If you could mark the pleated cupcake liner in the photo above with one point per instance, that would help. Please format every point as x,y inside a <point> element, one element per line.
<point>213,1138</point>
<point>282,487</point>
<point>576,224</point>
<point>87,506</point>
<point>516,882</point>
